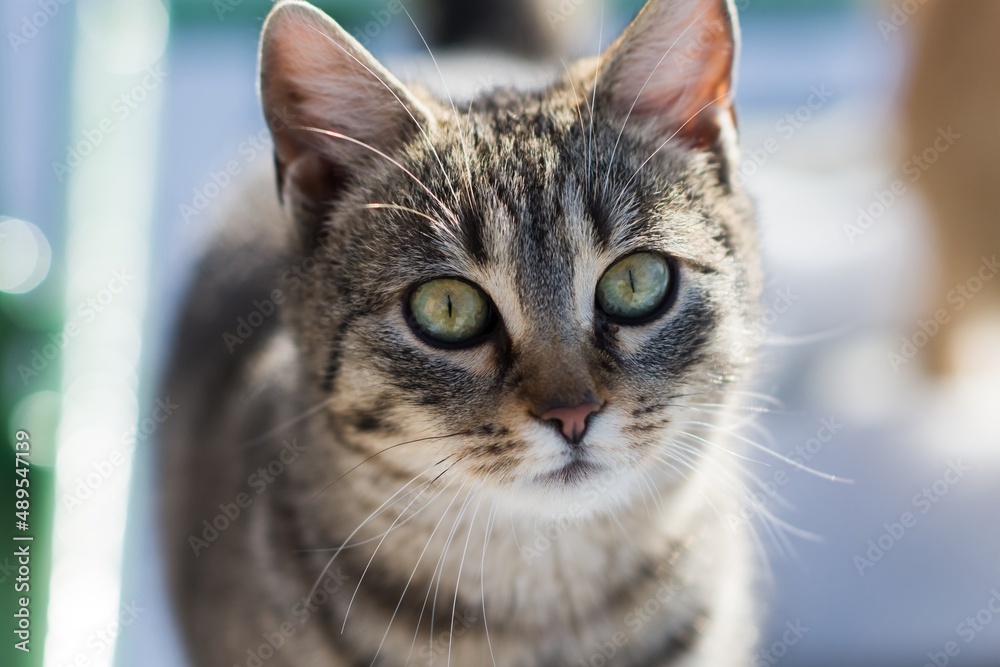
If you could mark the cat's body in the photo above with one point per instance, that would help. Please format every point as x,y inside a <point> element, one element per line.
<point>476,532</point>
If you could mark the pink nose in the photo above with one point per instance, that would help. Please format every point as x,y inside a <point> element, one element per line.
<point>572,421</point>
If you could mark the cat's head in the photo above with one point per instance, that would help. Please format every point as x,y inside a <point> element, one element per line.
<point>526,289</point>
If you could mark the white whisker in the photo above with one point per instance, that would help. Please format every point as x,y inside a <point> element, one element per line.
<point>443,558</point>
<point>369,147</point>
<point>406,108</point>
<point>458,578</point>
<point>375,553</point>
<point>593,108</point>
<point>371,516</point>
<point>451,100</point>
<point>762,448</point>
<point>643,88</point>
<point>438,224</point>
<point>260,439</point>
<point>413,573</point>
<point>672,136</point>
<point>482,577</point>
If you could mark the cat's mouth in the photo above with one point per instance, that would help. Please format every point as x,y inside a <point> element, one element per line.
<point>575,471</point>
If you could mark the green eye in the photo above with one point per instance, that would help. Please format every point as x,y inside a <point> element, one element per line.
<point>635,287</point>
<point>450,311</point>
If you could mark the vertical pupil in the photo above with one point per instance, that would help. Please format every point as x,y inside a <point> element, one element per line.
<point>449,306</point>
<point>631,280</point>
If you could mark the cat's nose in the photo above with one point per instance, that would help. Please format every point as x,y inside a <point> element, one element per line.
<point>572,420</point>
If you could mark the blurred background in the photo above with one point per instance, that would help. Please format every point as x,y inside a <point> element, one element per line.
<point>870,143</point>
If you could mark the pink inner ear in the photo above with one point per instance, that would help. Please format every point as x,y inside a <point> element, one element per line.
<point>672,69</point>
<point>289,65</point>
<point>303,55</point>
<point>304,67</point>
<point>682,90</point>
<point>330,104</point>
<point>314,75</point>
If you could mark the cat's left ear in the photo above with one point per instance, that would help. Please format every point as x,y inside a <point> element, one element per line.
<point>332,107</point>
<point>672,73</point>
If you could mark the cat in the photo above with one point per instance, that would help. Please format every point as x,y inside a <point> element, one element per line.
<point>479,412</point>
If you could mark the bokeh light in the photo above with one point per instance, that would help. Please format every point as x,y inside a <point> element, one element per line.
<point>25,256</point>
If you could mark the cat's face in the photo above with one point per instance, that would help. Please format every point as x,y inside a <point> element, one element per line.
<point>524,293</point>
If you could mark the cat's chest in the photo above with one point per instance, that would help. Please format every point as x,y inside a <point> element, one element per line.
<point>468,581</point>
<point>465,549</point>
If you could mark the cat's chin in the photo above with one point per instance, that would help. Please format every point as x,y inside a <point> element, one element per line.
<point>576,471</point>
<point>576,491</point>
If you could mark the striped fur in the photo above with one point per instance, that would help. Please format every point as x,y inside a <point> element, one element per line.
<point>404,493</point>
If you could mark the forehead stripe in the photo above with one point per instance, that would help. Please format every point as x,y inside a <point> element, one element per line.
<point>471,231</point>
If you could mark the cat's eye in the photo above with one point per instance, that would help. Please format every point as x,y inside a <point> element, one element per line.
<point>450,311</point>
<point>635,288</point>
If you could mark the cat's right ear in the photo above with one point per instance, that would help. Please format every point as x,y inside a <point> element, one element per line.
<point>330,105</point>
<point>672,74</point>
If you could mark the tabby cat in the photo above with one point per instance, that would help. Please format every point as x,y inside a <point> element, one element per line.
<point>459,390</point>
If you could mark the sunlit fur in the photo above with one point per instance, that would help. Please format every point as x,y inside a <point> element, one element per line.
<point>466,529</point>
